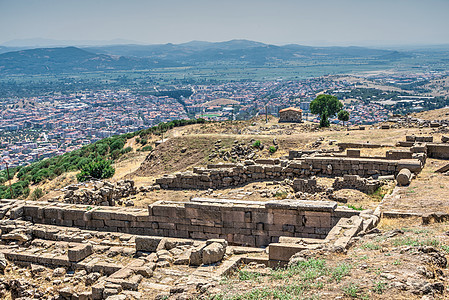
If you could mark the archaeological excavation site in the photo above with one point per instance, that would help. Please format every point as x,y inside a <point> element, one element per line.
<point>211,213</point>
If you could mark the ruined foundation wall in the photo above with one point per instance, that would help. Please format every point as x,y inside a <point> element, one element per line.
<point>357,183</point>
<point>438,151</point>
<point>238,174</point>
<point>239,222</point>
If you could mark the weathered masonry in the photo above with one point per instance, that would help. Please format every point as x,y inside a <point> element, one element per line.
<point>244,223</point>
<point>219,176</point>
<point>291,115</point>
<point>438,151</point>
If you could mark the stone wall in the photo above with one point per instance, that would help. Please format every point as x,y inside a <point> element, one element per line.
<point>344,146</point>
<point>239,222</point>
<point>238,174</point>
<point>355,182</point>
<point>398,154</point>
<point>419,139</point>
<point>292,154</point>
<point>101,193</point>
<point>307,186</point>
<point>438,151</point>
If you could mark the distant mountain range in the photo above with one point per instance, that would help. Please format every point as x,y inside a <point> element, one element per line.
<point>67,60</point>
<point>129,57</point>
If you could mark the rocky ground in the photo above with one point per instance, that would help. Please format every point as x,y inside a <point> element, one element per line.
<point>400,260</point>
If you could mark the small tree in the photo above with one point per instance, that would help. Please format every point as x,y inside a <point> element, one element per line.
<point>325,106</point>
<point>343,115</point>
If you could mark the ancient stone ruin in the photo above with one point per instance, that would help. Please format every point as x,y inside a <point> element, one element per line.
<point>96,237</point>
<point>114,250</point>
<point>101,193</point>
<point>355,182</point>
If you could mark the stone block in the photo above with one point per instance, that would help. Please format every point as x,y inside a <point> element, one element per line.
<point>286,217</point>
<point>73,214</point>
<point>262,240</point>
<point>283,252</point>
<point>101,215</point>
<point>96,223</point>
<point>233,216</point>
<point>213,253</point>
<point>53,213</point>
<point>147,243</point>
<point>78,252</point>
<point>115,223</point>
<point>262,217</point>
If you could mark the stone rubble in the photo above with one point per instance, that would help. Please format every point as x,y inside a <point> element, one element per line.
<point>102,193</point>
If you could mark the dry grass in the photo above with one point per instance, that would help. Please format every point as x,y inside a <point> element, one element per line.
<point>437,114</point>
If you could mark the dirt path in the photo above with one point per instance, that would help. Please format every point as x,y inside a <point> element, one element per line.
<point>429,192</point>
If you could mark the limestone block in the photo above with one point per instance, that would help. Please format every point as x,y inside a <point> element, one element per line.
<point>213,253</point>
<point>101,215</point>
<point>233,216</point>
<point>53,213</point>
<point>147,243</point>
<point>196,258</point>
<point>73,214</point>
<point>78,252</point>
<point>283,252</point>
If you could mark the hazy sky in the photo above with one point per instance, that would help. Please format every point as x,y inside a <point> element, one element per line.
<point>319,22</point>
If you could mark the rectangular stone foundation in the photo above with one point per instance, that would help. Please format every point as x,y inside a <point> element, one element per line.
<point>243,223</point>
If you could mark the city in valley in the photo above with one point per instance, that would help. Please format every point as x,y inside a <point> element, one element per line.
<point>44,126</point>
<point>224,150</point>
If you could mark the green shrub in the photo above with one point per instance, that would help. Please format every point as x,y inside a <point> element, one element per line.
<point>19,189</point>
<point>371,246</point>
<point>117,145</point>
<point>340,271</point>
<point>78,159</point>
<point>100,169</point>
<point>127,150</point>
<point>116,154</point>
<point>272,149</point>
<point>146,148</point>
<point>351,290</point>
<point>355,207</point>
<point>257,144</point>
<point>379,287</point>
<point>37,193</point>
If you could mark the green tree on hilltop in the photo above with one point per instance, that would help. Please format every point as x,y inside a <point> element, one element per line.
<point>325,106</point>
<point>343,115</point>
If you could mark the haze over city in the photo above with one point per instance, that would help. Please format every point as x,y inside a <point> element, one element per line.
<point>345,22</point>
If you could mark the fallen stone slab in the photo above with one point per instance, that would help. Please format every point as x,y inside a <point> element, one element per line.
<point>283,251</point>
<point>413,165</point>
<point>16,236</point>
<point>147,243</point>
<point>393,214</point>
